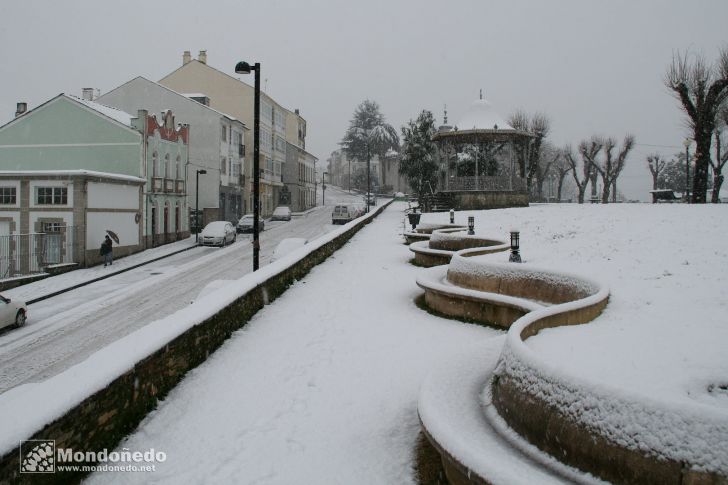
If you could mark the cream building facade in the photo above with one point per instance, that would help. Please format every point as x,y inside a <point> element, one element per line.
<point>278,125</point>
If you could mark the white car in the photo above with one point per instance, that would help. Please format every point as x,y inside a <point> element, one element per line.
<point>344,213</point>
<point>282,213</point>
<point>218,233</point>
<point>12,312</point>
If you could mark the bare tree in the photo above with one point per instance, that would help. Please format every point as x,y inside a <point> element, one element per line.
<point>538,125</point>
<point>720,157</point>
<point>701,90</point>
<point>549,156</point>
<point>656,164</point>
<point>561,169</point>
<point>588,151</point>
<point>609,167</point>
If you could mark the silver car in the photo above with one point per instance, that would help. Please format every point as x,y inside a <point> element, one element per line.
<point>218,233</point>
<point>12,312</point>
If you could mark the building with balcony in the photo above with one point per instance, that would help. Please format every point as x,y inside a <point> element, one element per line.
<point>299,190</point>
<point>279,127</point>
<point>68,134</point>
<point>217,145</point>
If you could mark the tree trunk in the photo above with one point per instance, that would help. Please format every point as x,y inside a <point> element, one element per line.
<point>605,190</point>
<point>717,183</point>
<point>593,180</point>
<point>614,191</point>
<point>558,189</point>
<point>703,141</point>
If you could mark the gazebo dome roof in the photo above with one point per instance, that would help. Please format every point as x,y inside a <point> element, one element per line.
<point>482,116</point>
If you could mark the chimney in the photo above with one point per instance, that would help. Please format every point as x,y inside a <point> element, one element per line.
<point>297,112</point>
<point>186,58</point>
<point>202,57</point>
<point>21,109</point>
<point>87,94</point>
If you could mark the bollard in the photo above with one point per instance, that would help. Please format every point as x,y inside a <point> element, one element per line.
<point>452,216</point>
<point>515,246</point>
<point>471,225</point>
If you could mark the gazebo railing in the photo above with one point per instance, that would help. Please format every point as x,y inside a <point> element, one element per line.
<point>485,183</point>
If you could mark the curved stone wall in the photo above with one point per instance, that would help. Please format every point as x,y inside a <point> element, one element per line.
<point>444,242</point>
<point>605,431</point>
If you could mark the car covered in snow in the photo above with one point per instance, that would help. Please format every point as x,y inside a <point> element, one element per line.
<point>12,312</point>
<point>245,224</point>
<point>218,233</point>
<point>281,213</point>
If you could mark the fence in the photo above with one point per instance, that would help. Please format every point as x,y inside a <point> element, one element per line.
<point>486,183</point>
<point>28,254</point>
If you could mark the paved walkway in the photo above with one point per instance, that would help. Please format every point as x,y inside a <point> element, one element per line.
<point>320,387</point>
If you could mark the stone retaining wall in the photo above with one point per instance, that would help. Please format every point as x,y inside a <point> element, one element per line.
<point>103,419</point>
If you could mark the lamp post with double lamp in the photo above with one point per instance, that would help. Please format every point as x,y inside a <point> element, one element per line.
<point>245,68</point>
<point>323,188</point>
<point>197,201</point>
<point>687,170</point>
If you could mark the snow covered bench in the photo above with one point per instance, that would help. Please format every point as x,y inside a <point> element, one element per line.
<point>443,243</point>
<point>424,231</point>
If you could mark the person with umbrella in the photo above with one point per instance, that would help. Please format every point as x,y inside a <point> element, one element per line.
<point>107,251</point>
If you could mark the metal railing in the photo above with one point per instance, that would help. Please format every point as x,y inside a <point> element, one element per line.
<point>28,254</point>
<point>486,183</point>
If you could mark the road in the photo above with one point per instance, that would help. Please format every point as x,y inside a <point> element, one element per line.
<point>66,329</point>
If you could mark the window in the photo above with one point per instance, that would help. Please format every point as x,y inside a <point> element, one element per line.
<point>155,164</point>
<point>223,133</point>
<point>176,168</point>
<point>7,195</point>
<point>53,227</point>
<point>52,196</point>
<point>166,166</point>
<point>223,165</point>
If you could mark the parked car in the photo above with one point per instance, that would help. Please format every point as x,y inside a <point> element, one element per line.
<point>218,233</point>
<point>245,224</point>
<point>287,245</point>
<point>372,199</point>
<point>282,213</point>
<point>12,312</point>
<point>344,213</point>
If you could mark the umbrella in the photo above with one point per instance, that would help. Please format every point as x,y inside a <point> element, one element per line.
<point>113,235</point>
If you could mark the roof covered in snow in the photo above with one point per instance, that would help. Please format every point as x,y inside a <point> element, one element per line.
<point>115,114</point>
<point>482,116</point>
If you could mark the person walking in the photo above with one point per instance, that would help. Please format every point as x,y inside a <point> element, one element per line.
<point>107,251</point>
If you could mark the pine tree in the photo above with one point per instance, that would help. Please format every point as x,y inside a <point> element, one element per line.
<point>418,163</point>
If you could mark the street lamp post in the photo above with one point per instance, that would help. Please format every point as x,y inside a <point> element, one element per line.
<point>687,170</point>
<point>197,201</point>
<point>245,68</point>
<point>323,188</point>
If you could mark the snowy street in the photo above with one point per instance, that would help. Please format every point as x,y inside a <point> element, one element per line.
<point>66,329</point>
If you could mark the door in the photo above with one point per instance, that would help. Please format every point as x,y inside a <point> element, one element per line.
<point>5,248</point>
<point>166,223</point>
<point>6,313</point>
<point>154,226</point>
<point>53,242</point>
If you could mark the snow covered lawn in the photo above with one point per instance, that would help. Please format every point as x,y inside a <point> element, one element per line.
<point>321,386</point>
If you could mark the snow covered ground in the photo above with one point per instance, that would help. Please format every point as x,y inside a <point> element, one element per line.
<point>321,387</point>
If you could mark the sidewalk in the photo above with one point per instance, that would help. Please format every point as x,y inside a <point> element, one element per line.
<point>320,387</point>
<point>54,285</point>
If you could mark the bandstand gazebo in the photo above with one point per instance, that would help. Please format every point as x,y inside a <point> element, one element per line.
<point>482,161</point>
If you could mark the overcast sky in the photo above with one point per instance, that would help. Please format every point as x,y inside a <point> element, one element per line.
<point>594,67</point>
